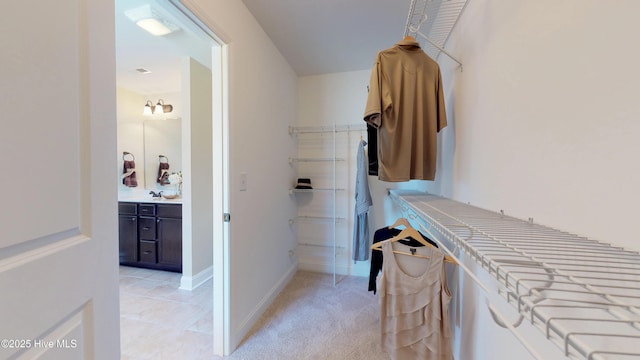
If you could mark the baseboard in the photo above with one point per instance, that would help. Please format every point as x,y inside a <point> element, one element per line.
<point>328,269</point>
<point>254,316</point>
<point>192,282</point>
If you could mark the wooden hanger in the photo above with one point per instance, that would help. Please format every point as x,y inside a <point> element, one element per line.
<point>413,233</point>
<point>401,221</point>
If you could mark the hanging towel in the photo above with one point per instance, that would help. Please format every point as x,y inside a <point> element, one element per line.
<point>363,202</point>
<point>163,173</point>
<point>129,173</point>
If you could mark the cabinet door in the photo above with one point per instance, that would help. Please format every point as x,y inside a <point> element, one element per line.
<point>128,234</point>
<point>170,243</point>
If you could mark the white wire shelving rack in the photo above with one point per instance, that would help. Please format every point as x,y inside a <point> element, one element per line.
<point>583,294</point>
<point>433,21</point>
<point>331,218</point>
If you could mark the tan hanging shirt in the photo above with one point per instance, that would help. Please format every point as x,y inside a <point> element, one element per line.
<point>406,104</point>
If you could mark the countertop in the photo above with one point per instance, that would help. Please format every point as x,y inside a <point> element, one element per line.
<point>146,198</point>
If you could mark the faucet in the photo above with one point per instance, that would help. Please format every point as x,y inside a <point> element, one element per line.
<point>155,194</point>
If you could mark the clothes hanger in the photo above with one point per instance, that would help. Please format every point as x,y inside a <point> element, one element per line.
<point>162,157</point>
<point>401,221</point>
<point>413,233</point>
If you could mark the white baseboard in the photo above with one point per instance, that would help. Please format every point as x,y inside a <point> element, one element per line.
<point>254,316</point>
<point>340,270</point>
<point>192,282</point>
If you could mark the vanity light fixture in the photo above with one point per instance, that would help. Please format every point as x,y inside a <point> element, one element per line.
<point>163,108</point>
<point>148,108</point>
<point>159,108</point>
<point>151,20</point>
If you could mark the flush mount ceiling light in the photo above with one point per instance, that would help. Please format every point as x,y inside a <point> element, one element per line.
<point>151,20</point>
<point>159,108</point>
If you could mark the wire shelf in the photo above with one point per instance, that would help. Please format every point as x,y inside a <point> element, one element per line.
<point>327,129</point>
<point>434,20</point>
<point>584,295</point>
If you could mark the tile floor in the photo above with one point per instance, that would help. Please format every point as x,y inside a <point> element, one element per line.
<point>160,321</point>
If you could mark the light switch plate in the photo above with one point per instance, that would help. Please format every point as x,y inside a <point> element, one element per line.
<point>243,181</point>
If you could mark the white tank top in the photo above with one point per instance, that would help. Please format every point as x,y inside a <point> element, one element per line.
<point>414,304</point>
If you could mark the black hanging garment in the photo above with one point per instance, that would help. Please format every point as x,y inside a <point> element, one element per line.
<point>376,256</point>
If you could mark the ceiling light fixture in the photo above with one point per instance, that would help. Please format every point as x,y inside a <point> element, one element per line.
<point>151,20</point>
<point>159,108</point>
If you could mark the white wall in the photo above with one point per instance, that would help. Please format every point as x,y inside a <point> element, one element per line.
<point>197,208</point>
<point>329,98</point>
<point>262,104</point>
<point>544,117</point>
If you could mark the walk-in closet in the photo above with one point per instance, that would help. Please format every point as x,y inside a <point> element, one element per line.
<point>363,179</point>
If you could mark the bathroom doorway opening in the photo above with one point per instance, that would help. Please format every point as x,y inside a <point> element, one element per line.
<point>205,192</point>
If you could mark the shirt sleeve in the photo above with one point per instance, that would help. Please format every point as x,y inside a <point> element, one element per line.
<point>374,98</point>
<point>442,111</point>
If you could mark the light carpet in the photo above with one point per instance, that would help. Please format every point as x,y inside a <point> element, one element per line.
<point>312,319</point>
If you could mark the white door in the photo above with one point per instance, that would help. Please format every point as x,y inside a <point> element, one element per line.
<point>58,225</point>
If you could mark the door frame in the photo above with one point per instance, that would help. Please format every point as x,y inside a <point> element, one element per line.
<point>220,176</point>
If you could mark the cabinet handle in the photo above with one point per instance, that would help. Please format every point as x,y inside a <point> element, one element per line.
<point>147,252</point>
<point>146,228</point>
<point>133,218</point>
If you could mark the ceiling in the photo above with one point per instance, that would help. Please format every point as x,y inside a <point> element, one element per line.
<point>315,37</point>
<point>329,36</point>
<point>135,48</point>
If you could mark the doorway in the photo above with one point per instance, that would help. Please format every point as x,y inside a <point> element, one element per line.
<point>182,50</point>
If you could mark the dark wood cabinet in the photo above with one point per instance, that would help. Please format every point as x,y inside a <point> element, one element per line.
<point>170,242</point>
<point>151,235</point>
<point>169,229</point>
<point>128,233</point>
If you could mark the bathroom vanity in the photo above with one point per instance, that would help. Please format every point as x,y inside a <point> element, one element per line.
<point>151,234</point>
